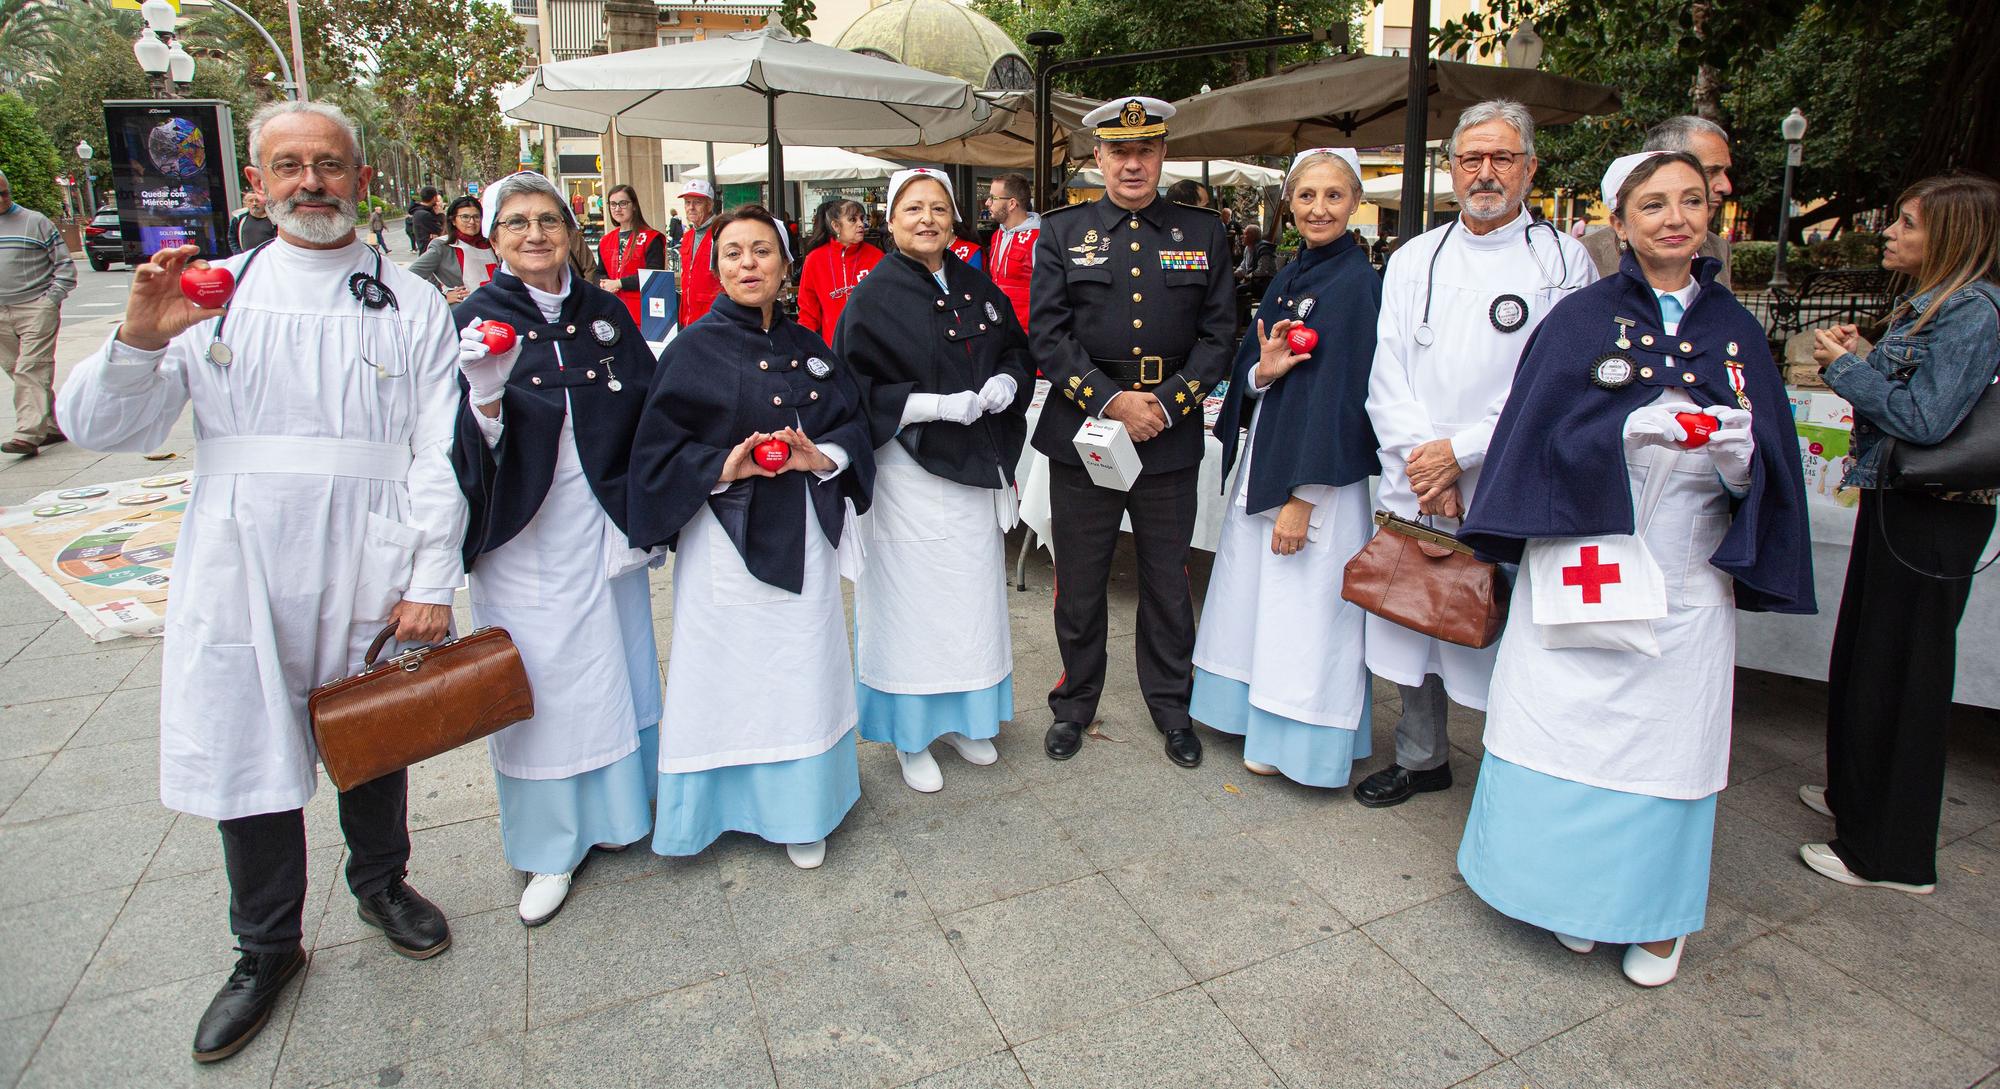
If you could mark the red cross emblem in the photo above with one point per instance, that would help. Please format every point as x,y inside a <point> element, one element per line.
<point>1590,575</point>
<point>1094,456</point>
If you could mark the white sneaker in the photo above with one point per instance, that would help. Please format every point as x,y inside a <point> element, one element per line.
<point>1815,799</point>
<point>1258,767</point>
<point>544,897</point>
<point>975,750</point>
<point>920,771</point>
<point>1822,859</point>
<point>1647,970</point>
<point>807,856</point>
<point>1573,943</point>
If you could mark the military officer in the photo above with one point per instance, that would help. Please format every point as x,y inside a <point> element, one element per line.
<point>1131,318</point>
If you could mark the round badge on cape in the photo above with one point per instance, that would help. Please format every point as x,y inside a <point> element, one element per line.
<point>1304,307</point>
<point>992,312</point>
<point>1612,371</point>
<point>819,368</point>
<point>1178,237</point>
<point>373,293</point>
<point>1509,312</point>
<point>605,332</point>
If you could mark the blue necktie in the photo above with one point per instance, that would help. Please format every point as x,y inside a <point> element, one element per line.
<point>1671,310</point>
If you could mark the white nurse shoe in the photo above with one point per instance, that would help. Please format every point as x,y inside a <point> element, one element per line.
<point>807,856</point>
<point>1647,970</point>
<point>1573,943</point>
<point>920,771</point>
<point>1814,798</point>
<point>1258,767</point>
<point>975,750</point>
<point>1826,863</point>
<point>544,897</point>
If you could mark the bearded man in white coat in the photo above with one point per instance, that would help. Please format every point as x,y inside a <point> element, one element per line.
<point>324,509</point>
<point>1458,304</point>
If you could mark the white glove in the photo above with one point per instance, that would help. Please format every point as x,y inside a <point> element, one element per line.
<point>960,408</point>
<point>485,372</point>
<point>1731,447</point>
<point>1655,425</point>
<point>919,408</point>
<point>997,393</point>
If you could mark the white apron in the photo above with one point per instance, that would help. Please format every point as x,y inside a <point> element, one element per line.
<point>1454,388</point>
<point>1622,719</point>
<point>551,588</point>
<point>930,606</point>
<point>1277,623</point>
<point>324,495</point>
<point>757,674</point>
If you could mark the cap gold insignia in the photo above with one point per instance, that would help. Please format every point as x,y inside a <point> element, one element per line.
<point>1133,115</point>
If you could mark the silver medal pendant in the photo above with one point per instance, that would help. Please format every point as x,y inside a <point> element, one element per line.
<point>614,385</point>
<point>220,354</point>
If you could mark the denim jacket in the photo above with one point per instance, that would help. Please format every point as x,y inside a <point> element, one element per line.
<point>1918,387</point>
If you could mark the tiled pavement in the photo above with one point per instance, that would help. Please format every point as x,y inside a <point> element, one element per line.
<point>1112,921</point>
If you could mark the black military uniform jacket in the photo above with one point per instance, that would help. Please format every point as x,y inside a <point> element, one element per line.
<point>1131,300</point>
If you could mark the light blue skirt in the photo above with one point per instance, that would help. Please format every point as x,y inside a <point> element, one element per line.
<point>1587,861</point>
<point>791,801</point>
<point>911,723</point>
<point>1320,756</point>
<point>548,825</point>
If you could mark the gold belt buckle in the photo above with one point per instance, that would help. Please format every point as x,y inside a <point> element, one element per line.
<point>1152,370</point>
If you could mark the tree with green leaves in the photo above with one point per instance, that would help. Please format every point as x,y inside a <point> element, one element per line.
<point>439,68</point>
<point>28,157</point>
<point>796,17</point>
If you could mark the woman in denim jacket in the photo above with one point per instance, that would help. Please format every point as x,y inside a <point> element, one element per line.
<point>1895,644</point>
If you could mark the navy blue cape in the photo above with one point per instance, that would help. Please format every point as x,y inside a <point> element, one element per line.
<point>1556,466</point>
<point>1314,428</point>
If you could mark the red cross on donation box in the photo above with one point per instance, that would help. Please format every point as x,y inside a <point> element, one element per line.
<point>1590,575</point>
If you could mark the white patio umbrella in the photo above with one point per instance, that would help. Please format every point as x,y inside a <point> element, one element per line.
<point>1387,190</point>
<point>761,86</point>
<point>806,164</point>
<point>1220,172</point>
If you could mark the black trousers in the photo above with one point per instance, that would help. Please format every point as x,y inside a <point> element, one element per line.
<point>266,859</point>
<point>1085,521</point>
<point>1889,682</point>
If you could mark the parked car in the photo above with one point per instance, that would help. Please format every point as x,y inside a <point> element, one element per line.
<point>102,242</point>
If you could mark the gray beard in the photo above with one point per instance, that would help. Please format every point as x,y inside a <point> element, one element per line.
<point>1508,209</point>
<point>314,227</point>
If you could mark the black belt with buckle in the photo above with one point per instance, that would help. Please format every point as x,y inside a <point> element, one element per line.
<point>1145,370</point>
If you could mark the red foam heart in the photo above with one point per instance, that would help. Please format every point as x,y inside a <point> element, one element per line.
<point>498,335</point>
<point>1302,340</point>
<point>772,454</point>
<point>207,286</point>
<point>1699,425</point>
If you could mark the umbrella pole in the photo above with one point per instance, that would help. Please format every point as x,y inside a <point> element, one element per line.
<point>1416,110</point>
<point>709,147</point>
<point>777,157</point>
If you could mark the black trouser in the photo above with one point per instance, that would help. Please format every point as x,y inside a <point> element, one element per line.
<point>1085,520</point>
<point>1889,682</point>
<point>266,859</point>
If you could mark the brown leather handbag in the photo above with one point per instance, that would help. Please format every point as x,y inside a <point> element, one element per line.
<point>418,704</point>
<point>1428,581</point>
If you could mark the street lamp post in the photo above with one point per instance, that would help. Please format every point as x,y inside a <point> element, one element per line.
<point>1794,129</point>
<point>83,153</point>
<point>168,66</point>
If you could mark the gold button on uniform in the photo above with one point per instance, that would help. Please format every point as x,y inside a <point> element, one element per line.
<point>1687,377</point>
<point>1136,297</point>
<point>1647,340</point>
<point>1137,324</point>
<point>1135,272</point>
<point>1686,348</point>
<point>1645,372</point>
<point>1134,224</point>
<point>1135,247</point>
<point>1136,351</point>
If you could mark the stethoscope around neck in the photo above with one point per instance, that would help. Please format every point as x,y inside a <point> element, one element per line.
<point>1425,337</point>
<point>368,290</point>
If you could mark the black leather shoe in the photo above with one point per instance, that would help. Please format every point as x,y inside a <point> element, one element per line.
<point>19,448</point>
<point>238,1011</point>
<point>54,438</point>
<point>1062,740</point>
<point>1184,748</point>
<point>414,926</point>
<point>1395,784</point>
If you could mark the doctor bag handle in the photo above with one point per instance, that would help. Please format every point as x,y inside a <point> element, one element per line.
<point>382,640</point>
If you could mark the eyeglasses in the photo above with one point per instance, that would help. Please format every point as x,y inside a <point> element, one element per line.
<point>1502,161</point>
<point>550,223</point>
<point>466,217</point>
<point>618,204</point>
<point>327,169</point>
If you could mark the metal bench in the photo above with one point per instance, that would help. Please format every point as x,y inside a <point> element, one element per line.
<point>1860,296</point>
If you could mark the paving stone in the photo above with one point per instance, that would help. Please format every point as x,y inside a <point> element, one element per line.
<point>1129,812</point>
<point>1509,980</point>
<point>17,775</point>
<point>123,716</point>
<point>1660,1041</point>
<point>1504,1076</point>
<point>458,867</point>
<point>14,636</point>
<point>882,779</point>
<point>1971,797</point>
<point>1969,886</point>
<point>996,1071</point>
<point>364,1007</point>
<point>1342,1013</point>
<point>489,1064</point>
<point>1366,862</point>
<point>452,787</point>
<point>141,1038</point>
<point>1758,870</point>
<point>615,943</point>
<point>78,780</point>
<point>20,604</point>
<point>1047,959</point>
<point>782,911</point>
<point>192,843</point>
<point>1248,800</point>
<point>19,1037</point>
<point>981,851</point>
<point>1923,961</point>
<point>1772,799</point>
<point>1176,1040</point>
<point>705,1035</point>
<point>60,856</point>
<point>147,673</point>
<point>1224,903</point>
<point>61,639</point>
<point>879,1012</point>
<point>39,729</point>
<point>48,946</point>
<point>70,675</point>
